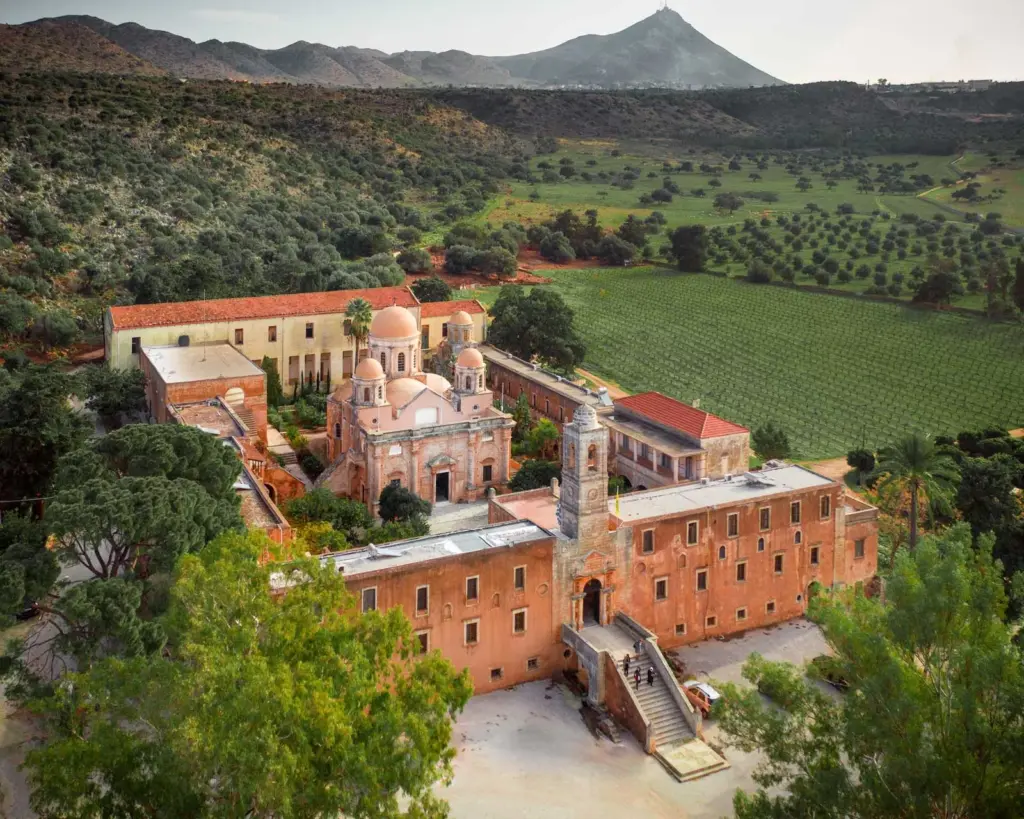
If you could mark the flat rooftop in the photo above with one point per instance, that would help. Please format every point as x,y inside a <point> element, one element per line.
<point>255,510</point>
<point>210,416</point>
<point>676,446</point>
<point>204,362</point>
<point>553,381</point>
<point>435,547</point>
<point>673,500</point>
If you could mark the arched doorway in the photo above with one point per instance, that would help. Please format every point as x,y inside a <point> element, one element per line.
<point>592,603</point>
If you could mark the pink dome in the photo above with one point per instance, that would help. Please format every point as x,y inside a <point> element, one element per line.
<point>460,317</point>
<point>470,358</point>
<point>402,390</point>
<point>394,323</point>
<point>369,369</point>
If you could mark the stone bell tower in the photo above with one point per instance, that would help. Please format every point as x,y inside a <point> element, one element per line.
<point>583,508</point>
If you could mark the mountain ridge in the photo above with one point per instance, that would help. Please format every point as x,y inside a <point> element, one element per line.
<point>662,50</point>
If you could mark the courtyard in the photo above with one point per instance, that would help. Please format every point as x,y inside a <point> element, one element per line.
<point>528,752</point>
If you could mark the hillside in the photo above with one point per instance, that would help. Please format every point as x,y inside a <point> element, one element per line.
<point>66,46</point>
<point>662,50</point>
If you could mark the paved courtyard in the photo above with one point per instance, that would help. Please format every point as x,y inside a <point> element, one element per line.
<point>528,752</point>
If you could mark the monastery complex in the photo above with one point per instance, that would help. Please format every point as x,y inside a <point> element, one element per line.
<point>563,578</point>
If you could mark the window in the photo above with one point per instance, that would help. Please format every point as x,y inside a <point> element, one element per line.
<point>778,564</point>
<point>401,362</point>
<point>661,588</point>
<point>592,457</point>
<point>497,674</point>
<point>692,529</point>
<point>702,580</point>
<point>625,444</point>
<point>488,473</point>
<point>769,607</point>
<point>369,599</point>
<point>469,383</point>
<point>346,327</point>
<point>309,329</point>
<point>423,638</point>
<point>533,400</point>
<point>136,344</point>
<point>826,507</point>
<point>383,360</point>
<point>444,330</point>
<point>794,512</point>
<point>470,632</point>
<point>396,482</point>
<point>239,336</point>
<point>814,555</point>
<point>547,407</point>
<point>560,414</point>
<point>665,461</point>
<point>519,621</point>
<point>366,395</point>
<point>798,537</point>
<point>472,589</point>
<point>422,594</point>
<point>732,525</point>
<point>741,572</point>
<point>272,332</point>
<point>533,664</point>
<point>680,629</point>
<point>858,548</point>
<point>645,452</point>
<point>380,393</point>
<point>760,544</point>
<point>721,553</point>
<point>337,430</point>
<point>741,615</point>
<point>710,622</point>
<point>519,578</point>
<point>648,538</point>
<point>765,519</point>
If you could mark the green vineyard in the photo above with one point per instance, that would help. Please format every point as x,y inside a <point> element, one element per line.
<point>834,372</point>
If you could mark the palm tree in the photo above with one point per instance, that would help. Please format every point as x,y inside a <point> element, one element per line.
<point>919,469</point>
<point>360,314</point>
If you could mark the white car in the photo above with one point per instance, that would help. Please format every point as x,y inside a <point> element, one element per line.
<point>702,695</point>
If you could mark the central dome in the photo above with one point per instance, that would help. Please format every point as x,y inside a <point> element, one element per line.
<point>394,323</point>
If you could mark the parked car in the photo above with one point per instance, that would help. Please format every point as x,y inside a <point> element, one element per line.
<point>702,695</point>
<point>27,613</point>
<point>827,668</point>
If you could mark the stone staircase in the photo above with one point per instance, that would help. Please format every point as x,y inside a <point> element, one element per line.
<point>658,705</point>
<point>245,416</point>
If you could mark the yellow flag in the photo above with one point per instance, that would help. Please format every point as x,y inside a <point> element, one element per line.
<point>616,503</point>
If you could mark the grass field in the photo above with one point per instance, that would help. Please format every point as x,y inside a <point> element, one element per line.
<point>1008,177</point>
<point>834,372</point>
<point>528,203</point>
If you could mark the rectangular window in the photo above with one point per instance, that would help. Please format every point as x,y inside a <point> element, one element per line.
<point>778,564</point>
<point>826,507</point>
<point>560,414</point>
<point>423,638</point>
<point>497,674</point>
<point>711,622</point>
<point>794,512</point>
<point>444,330</point>
<point>422,599</point>
<point>272,332</point>
<point>136,344</point>
<point>239,336</point>
<point>472,589</point>
<point>648,538</point>
<point>692,529</point>
<point>645,452</point>
<point>470,632</point>
<point>519,621</point>
<point>547,407</point>
<point>488,473</point>
<point>765,518</point>
<point>769,607</point>
<point>533,400</point>
<point>702,580</point>
<point>425,337</point>
<point>858,548</point>
<point>346,327</point>
<point>309,329</point>
<point>741,615</point>
<point>741,572</point>
<point>661,588</point>
<point>814,555</point>
<point>396,482</point>
<point>680,629</point>
<point>519,578</point>
<point>665,461</point>
<point>369,599</point>
<point>325,366</point>
<point>732,525</point>
<point>533,664</point>
<point>626,444</point>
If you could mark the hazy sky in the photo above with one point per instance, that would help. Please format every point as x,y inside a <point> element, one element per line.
<point>795,40</point>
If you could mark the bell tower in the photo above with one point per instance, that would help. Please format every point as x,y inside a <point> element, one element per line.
<point>583,507</point>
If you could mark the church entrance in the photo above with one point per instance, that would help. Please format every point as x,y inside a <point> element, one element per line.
<point>592,603</point>
<point>441,487</point>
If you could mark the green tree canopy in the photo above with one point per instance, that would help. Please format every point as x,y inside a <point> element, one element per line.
<point>308,708</point>
<point>275,391</point>
<point>538,325</point>
<point>416,260</point>
<point>359,315</point>
<point>397,503</point>
<point>770,442</point>
<point>933,721</point>
<point>690,247</point>
<point>535,474</point>
<point>28,569</point>
<point>432,288</point>
<point>115,395</point>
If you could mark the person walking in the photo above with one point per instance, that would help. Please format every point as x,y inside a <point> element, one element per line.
<point>636,678</point>
<point>625,665</point>
<point>650,676</point>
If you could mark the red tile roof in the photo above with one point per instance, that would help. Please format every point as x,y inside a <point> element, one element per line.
<point>677,415</point>
<point>433,309</point>
<point>256,307</point>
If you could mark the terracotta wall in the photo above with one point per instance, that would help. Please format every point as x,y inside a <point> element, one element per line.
<point>448,611</point>
<point>286,486</point>
<point>679,563</point>
<point>544,402</point>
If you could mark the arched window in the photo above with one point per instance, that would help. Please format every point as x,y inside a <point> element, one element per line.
<point>798,538</point>
<point>401,362</point>
<point>337,430</point>
<point>592,457</point>
<point>366,394</point>
<point>469,382</point>
<point>383,361</point>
